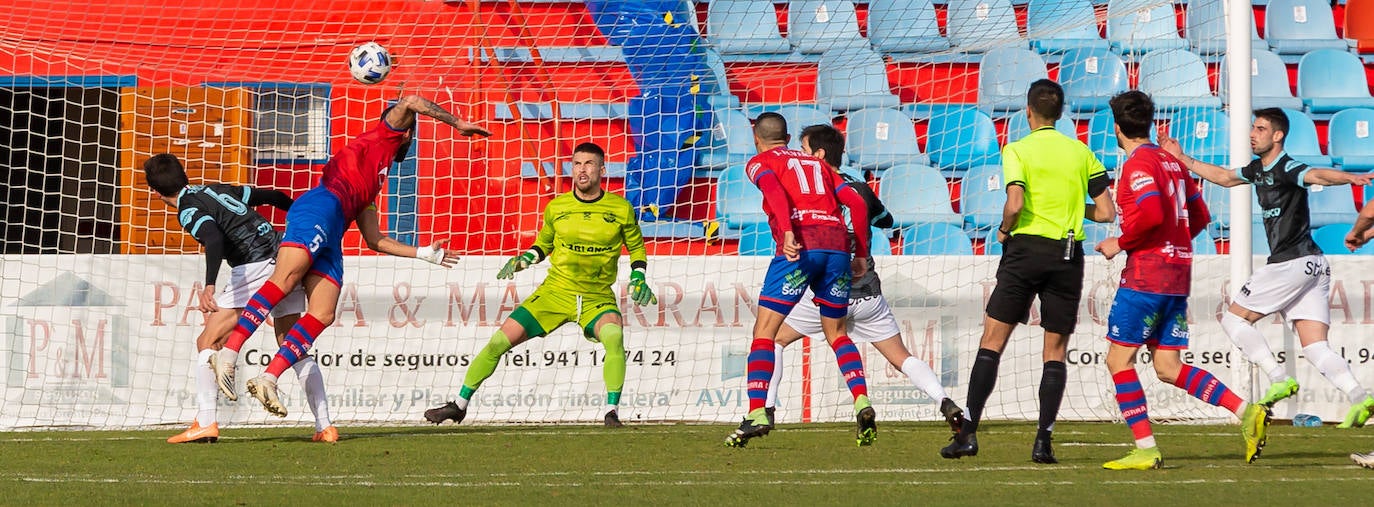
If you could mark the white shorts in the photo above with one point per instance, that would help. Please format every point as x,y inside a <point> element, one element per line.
<point>245,280</point>
<point>870,319</point>
<point>1298,289</point>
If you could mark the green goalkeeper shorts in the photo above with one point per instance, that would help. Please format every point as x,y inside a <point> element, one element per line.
<point>548,308</point>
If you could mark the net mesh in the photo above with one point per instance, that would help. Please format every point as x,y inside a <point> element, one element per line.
<point>99,280</point>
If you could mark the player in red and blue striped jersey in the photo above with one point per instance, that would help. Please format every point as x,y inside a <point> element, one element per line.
<point>802,200</point>
<point>1161,211</point>
<point>312,250</point>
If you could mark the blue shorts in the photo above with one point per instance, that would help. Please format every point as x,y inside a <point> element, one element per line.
<point>316,224</point>
<point>825,272</point>
<point>1140,318</point>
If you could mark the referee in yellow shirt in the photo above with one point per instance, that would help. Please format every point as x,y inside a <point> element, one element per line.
<point>1048,176</point>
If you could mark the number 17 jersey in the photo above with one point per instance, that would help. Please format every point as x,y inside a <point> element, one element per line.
<point>810,189</point>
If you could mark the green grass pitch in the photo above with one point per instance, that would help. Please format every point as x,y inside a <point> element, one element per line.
<point>815,464</point>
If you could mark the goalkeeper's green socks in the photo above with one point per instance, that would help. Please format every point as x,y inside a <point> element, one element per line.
<point>485,364</point>
<point>612,336</point>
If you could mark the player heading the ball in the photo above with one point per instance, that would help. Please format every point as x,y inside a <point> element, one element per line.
<point>582,235</point>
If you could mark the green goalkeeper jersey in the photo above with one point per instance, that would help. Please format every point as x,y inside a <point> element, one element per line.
<point>582,241</point>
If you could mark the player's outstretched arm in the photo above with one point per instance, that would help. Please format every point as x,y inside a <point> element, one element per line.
<point>402,116</point>
<point>258,196</point>
<point>370,227</point>
<point>1334,177</point>
<point>1213,173</point>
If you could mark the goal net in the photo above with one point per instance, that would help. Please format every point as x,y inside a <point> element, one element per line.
<point>99,283</point>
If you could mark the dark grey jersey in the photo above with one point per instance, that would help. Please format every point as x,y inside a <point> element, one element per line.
<point>248,236</point>
<point>868,285</point>
<point>1283,200</point>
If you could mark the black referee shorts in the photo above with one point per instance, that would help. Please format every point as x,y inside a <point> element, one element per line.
<point>1034,266</point>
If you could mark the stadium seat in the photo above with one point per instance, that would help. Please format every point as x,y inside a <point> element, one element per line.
<point>1203,244</point>
<point>1018,125</point>
<point>961,137</point>
<point>881,138</point>
<point>738,201</point>
<point>1331,205</point>
<point>1349,140</point>
<point>1205,26</point>
<point>799,117</point>
<point>1102,139</point>
<point>990,244</point>
<point>879,244</point>
<point>1141,26</point>
<point>981,198</point>
<point>1218,200</point>
<point>1176,79</point>
<point>1094,233</point>
<point>1301,143</point>
<point>745,29</point>
<point>916,194</point>
<point>717,86</point>
<point>1202,134</point>
<point>1055,26</point>
<point>979,25</point>
<point>817,26</point>
<point>1259,241</point>
<point>757,239</point>
<point>1330,80</point>
<point>898,27</point>
<point>731,141</point>
<point>1268,82</point>
<point>935,239</point>
<point>1359,31</point>
<point>1296,27</point>
<point>853,78</point>
<point>1091,77</point>
<point>1331,238</point>
<point>1004,76</point>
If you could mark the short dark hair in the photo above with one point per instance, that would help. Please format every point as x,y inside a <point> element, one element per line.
<point>828,138</point>
<point>165,174</point>
<point>592,148</point>
<point>1134,112</point>
<point>1277,119</point>
<point>771,127</point>
<point>1045,98</point>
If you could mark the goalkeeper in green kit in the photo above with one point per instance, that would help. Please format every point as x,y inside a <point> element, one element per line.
<point>582,236</point>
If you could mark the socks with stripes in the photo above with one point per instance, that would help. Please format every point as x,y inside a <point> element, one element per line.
<point>851,366</point>
<point>254,315</point>
<point>296,345</point>
<point>1131,398</point>
<point>1203,386</point>
<point>760,370</point>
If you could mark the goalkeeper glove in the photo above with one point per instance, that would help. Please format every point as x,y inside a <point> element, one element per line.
<point>516,264</point>
<point>639,289</point>
<point>430,254</point>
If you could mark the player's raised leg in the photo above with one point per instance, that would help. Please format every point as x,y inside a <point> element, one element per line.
<point>514,331</point>
<point>322,296</point>
<point>312,383</point>
<point>293,261</point>
<point>1238,323</point>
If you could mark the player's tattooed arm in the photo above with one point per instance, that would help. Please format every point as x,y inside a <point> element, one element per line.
<point>419,105</point>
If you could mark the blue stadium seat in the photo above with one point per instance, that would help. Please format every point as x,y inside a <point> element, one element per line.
<point>916,194</point>
<point>904,26</point>
<point>1350,137</point>
<point>1055,26</point>
<point>1301,142</point>
<point>979,25</point>
<point>936,239</point>
<point>1330,80</point>
<point>1203,244</point>
<point>717,86</point>
<point>1004,76</point>
<point>961,137</point>
<point>1176,79</point>
<point>990,244</point>
<point>981,198</point>
<point>731,141</point>
<point>1218,200</point>
<point>1141,26</point>
<point>853,78</point>
<point>817,26</point>
<point>1205,26</point>
<point>745,28</point>
<point>757,239</point>
<point>1018,125</point>
<point>1259,241</point>
<point>1202,134</point>
<point>1091,77</point>
<point>738,201</point>
<point>1094,233</point>
<point>1331,238</point>
<point>879,243</point>
<point>877,139</point>
<point>1296,27</point>
<point>799,117</point>
<point>1268,82</point>
<point>1102,139</point>
<point>1331,205</point>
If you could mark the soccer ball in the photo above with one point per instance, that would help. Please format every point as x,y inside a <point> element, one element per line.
<point>369,63</point>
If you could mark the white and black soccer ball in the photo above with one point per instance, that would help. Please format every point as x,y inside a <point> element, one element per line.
<point>369,63</point>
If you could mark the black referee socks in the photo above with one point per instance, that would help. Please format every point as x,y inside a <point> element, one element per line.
<point>1051,393</point>
<point>980,383</point>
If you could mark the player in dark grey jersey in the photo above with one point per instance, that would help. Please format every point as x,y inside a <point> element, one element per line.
<point>221,218</point>
<point>1296,282</point>
<point>870,319</point>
